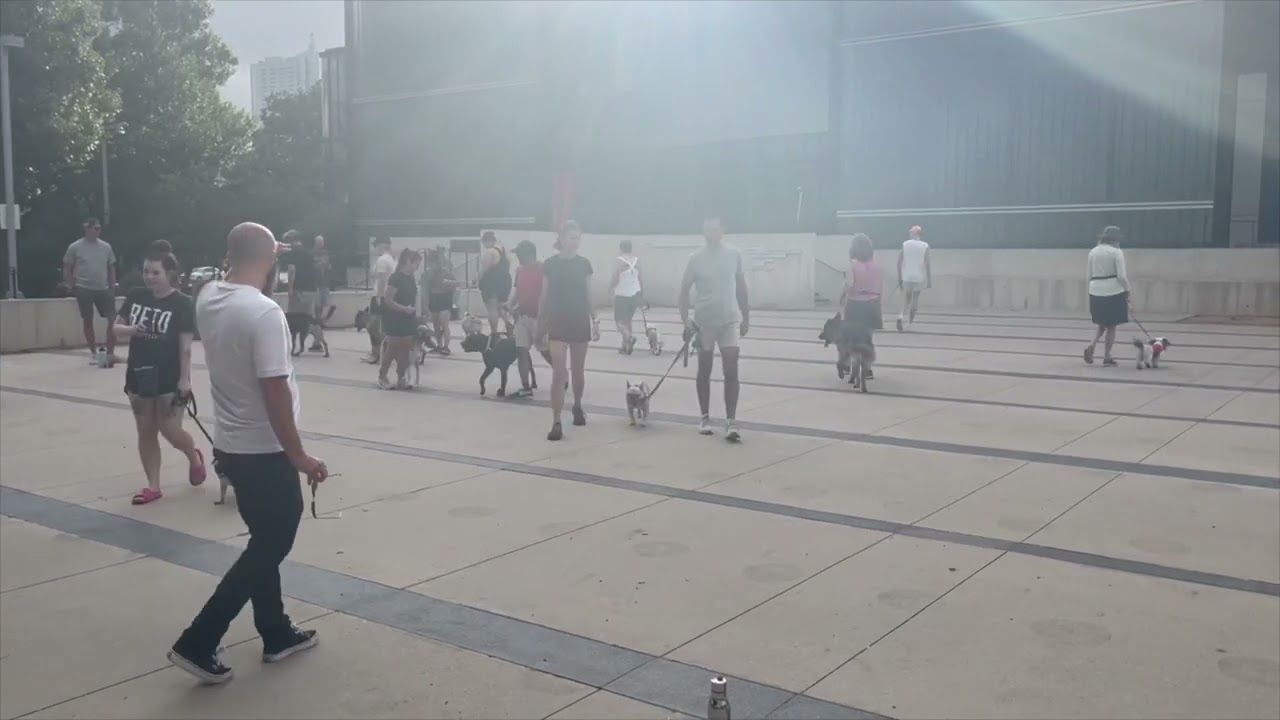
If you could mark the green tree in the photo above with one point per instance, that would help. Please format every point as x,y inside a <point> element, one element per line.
<point>59,91</point>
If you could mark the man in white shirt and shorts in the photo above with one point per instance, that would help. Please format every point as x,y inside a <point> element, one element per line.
<point>256,447</point>
<point>914,275</point>
<point>383,266</point>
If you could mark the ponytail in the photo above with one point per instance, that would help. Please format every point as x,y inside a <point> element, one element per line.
<point>162,252</point>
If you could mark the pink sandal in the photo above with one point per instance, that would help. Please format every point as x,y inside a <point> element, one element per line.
<point>147,495</point>
<point>196,475</point>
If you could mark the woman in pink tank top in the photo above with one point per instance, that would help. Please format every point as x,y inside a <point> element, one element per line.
<point>861,300</point>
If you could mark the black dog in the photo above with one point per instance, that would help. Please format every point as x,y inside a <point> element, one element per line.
<point>498,357</point>
<point>849,342</point>
<point>299,328</point>
<point>362,319</point>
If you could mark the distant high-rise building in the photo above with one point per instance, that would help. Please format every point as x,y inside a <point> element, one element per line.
<point>281,76</point>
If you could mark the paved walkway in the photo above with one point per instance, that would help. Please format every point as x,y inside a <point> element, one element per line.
<point>996,531</point>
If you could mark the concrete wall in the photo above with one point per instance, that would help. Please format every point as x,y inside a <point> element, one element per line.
<point>1210,281</point>
<point>779,268</point>
<point>55,323</point>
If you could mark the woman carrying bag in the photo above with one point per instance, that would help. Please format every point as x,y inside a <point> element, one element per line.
<point>159,323</point>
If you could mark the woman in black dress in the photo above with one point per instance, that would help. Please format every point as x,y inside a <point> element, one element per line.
<point>565,316</point>
<point>160,323</point>
<point>400,320</point>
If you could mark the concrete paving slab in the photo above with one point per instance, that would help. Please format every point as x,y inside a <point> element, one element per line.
<point>73,636</point>
<point>1020,428</point>
<point>1020,503</point>
<point>1217,528</point>
<point>1063,394</point>
<point>1231,449</point>
<point>604,704</point>
<point>1251,408</point>
<point>795,639</point>
<point>656,578</point>
<point>368,671</point>
<point>820,409</point>
<point>677,456</point>
<point>877,481</point>
<point>406,539</point>
<point>31,554</point>
<point>1028,638</point>
<point>1128,439</point>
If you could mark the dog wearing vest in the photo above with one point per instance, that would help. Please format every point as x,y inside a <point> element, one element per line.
<point>1149,351</point>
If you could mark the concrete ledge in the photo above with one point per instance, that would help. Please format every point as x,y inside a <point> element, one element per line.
<point>55,322</point>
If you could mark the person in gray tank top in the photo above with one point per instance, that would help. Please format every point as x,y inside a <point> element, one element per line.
<point>721,312</point>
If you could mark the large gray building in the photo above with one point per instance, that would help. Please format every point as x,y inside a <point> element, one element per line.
<point>992,123</point>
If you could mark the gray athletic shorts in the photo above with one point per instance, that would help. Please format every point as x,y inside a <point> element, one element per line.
<point>912,286</point>
<point>724,336</point>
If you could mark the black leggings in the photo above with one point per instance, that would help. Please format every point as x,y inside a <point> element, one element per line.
<point>269,496</point>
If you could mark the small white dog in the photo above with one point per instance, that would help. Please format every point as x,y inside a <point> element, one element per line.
<point>1149,351</point>
<point>638,402</point>
<point>471,324</point>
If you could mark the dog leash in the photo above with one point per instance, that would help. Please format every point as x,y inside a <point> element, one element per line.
<point>189,401</point>
<point>1139,324</point>
<point>684,352</point>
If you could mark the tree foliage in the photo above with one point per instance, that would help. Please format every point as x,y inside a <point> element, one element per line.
<point>141,78</point>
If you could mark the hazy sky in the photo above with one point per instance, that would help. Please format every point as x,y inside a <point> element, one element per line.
<point>255,29</point>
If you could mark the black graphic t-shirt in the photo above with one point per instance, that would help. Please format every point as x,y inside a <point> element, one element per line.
<point>153,354</point>
<point>395,323</point>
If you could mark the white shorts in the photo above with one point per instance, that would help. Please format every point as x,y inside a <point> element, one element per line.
<point>526,332</point>
<point>726,336</point>
<point>912,286</point>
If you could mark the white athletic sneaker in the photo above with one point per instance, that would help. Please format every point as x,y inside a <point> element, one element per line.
<point>731,431</point>
<point>704,427</point>
<point>384,383</point>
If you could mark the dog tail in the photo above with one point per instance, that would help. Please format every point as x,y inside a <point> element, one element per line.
<point>1137,342</point>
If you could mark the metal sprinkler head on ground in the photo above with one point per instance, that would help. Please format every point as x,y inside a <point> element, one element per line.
<point>718,705</point>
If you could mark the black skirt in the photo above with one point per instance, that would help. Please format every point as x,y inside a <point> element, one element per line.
<point>864,314</point>
<point>1109,310</point>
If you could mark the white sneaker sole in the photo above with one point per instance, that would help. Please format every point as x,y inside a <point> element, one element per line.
<point>194,670</point>
<point>291,651</point>
<point>706,431</point>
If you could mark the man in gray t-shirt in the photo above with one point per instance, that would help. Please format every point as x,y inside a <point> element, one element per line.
<point>89,269</point>
<point>720,316</point>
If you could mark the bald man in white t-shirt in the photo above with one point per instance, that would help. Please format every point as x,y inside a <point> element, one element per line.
<point>914,275</point>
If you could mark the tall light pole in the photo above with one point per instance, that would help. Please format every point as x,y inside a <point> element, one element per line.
<point>10,209</point>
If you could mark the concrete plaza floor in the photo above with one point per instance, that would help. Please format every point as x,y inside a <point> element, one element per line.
<point>996,531</point>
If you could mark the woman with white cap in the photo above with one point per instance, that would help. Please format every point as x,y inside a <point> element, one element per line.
<point>1108,292</point>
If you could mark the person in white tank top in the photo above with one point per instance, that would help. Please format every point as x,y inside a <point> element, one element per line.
<point>626,294</point>
<point>914,275</point>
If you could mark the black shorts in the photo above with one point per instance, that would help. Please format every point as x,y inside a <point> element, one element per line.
<point>574,328</point>
<point>103,300</point>
<point>495,286</point>
<point>440,302</point>
<point>1109,310</point>
<point>624,308</point>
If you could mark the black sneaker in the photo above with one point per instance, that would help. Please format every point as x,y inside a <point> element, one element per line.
<point>294,640</point>
<point>208,669</point>
<point>579,417</point>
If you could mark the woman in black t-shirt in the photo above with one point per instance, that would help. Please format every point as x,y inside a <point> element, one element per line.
<point>400,320</point>
<point>160,323</point>
<point>565,316</point>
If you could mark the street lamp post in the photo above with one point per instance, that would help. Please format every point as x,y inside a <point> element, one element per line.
<point>10,209</point>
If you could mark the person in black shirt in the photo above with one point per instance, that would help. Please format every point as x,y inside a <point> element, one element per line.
<point>565,316</point>
<point>159,322</point>
<point>400,320</point>
<point>304,284</point>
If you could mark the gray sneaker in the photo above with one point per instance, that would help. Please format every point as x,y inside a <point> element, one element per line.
<point>704,427</point>
<point>731,431</point>
<point>384,383</point>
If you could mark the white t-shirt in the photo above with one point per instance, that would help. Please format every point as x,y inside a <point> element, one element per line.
<point>382,269</point>
<point>1106,264</point>
<point>913,254</point>
<point>245,338</point>
<point>628,277</point>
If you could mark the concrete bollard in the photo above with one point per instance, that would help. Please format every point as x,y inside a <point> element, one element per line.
<point>718,705</point>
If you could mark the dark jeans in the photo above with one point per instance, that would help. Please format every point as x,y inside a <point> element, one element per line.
<point>269,495</point>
